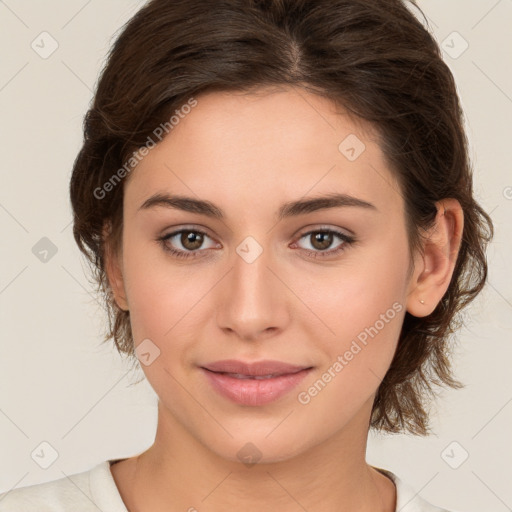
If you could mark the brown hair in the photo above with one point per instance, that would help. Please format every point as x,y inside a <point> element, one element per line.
<point>373,57</point>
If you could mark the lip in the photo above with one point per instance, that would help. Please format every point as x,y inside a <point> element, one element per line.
<point>256,368</point>
<point>250,390</point>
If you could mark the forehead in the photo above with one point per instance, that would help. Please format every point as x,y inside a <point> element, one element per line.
<point>268,119</point>
<point>267,146</point>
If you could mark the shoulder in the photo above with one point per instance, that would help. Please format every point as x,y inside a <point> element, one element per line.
<point>50,496</point>
<point>88,491</point>
<point>408,499</point>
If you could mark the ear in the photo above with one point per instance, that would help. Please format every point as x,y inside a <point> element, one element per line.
<point>433,269</point>
<point>113,269</point>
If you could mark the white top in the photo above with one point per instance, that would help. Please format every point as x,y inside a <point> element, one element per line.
<point>96,489</point>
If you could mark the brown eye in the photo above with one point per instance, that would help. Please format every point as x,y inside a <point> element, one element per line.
<point>321,240</point>
<point>191,240</point>
<point>186,243</point>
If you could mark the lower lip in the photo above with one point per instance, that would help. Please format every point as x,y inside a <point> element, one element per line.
<point>254,391</point>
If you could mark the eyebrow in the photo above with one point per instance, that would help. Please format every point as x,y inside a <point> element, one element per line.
<point>289,209</point>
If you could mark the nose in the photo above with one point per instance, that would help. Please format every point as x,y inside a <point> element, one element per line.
<point>254,302</point>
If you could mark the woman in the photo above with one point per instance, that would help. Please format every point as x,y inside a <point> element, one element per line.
<point>276,200</point>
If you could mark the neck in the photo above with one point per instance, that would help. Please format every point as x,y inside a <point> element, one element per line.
<point>179,473</point>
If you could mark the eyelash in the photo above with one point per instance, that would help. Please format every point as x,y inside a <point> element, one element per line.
<point>348,241</point>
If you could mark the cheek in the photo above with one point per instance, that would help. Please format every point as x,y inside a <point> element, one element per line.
<point>361,305</point>
<point>162,307</point>
<point>161,297</point>
<point>364,308</point>
<point>361,287</point>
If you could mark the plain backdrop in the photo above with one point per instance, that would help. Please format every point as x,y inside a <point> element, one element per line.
<point>65,394</point>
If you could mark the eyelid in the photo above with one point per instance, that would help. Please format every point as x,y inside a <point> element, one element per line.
<point>314,228</point>
<point>184,227</point>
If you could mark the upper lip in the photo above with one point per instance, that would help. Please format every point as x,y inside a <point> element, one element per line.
<point>257,368</point>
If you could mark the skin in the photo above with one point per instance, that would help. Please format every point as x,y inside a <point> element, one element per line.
<point>249,154</point>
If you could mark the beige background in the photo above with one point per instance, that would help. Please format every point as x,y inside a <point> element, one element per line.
<point>61,386</point>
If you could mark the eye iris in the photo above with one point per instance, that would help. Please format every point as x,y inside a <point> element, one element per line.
<point>196,240</point>
<point>324,238</point>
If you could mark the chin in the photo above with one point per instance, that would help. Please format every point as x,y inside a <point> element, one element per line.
<point>252,450</point>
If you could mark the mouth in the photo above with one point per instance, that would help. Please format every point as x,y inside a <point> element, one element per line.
<point>254,384</point>
<point>254,377</point>
<point>266,368</point>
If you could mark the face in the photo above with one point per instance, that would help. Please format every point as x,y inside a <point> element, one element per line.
<point>323,288</point>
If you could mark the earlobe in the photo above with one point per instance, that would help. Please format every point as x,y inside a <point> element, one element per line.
<point>114,271</point>
<point>434,267</point>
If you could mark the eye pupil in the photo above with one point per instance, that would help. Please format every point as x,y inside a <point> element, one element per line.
<point>324,238</point>
<point>193,238</point>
